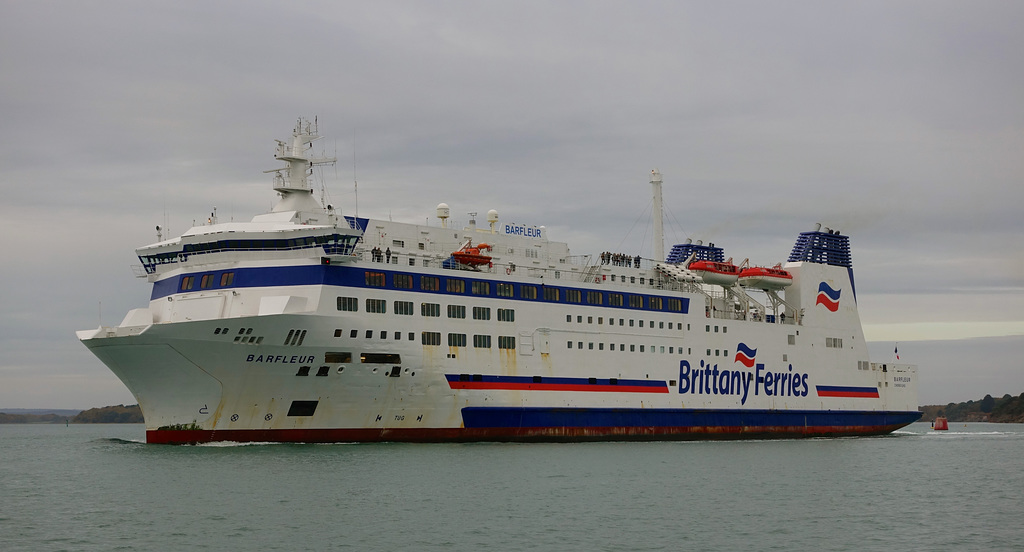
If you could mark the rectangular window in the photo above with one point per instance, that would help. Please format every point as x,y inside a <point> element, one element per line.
<point>675,305</point>
<point>506,342</point>
<point>431,338</point>
<point>378,306</point>
<point>481,313</point>
<point>430,309</point>
<point>481,288</point>
<point>636,301</point>
<point>506,315</point>
<point>403,281</point>
<point>482,341</point>
<point>505,290</point>
<point>380,358</point>
<point>335,357</point>
<point>404,307</point>
<point>227,279</point>
<point>456,286</point>
<point>187,283</point>
<point>551,294</point>
<point>573,296</point>
<point>348,304</point>
<point>206,282</point>
<point>615,299</point>
<point>456,340</point>
<point>528,292</point>
<point>456,311</point>
<point>595,298</point>
<point>655,303</point>
<point>430,283</point>
<point>374,279</point>
<point>398,243</point>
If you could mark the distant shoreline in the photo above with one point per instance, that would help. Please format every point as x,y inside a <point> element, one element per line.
<point>119,414</point>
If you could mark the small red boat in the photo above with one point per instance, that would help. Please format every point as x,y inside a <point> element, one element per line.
<point>722,274</point>
<point>471,256</point>
<point>760,277</point>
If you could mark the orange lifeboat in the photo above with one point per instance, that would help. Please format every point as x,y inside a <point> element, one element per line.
<point>471,256</point>
<point>712,272</point>
<point>760,277</point>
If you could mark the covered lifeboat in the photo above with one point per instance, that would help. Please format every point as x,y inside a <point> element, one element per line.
<point>715,273</point>
<point>760,277</point>
<point>471,256</point>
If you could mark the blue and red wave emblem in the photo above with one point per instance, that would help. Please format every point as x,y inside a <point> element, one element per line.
<point>745,355</point>
<point>828,297</point>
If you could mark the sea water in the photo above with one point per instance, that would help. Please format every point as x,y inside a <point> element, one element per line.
<point>99,487</point>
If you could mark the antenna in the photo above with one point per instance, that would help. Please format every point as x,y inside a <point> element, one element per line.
<point>355,181</point>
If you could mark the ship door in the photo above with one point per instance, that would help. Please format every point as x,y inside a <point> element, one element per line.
<point>543,341</point>
<point>525,343</point>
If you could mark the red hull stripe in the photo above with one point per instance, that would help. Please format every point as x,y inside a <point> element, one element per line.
<point>538,383</point>
<point>509,386</point>
<point>855,392</point>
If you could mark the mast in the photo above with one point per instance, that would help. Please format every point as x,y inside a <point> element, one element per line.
<point>659,241</point>
<point>292,182</point>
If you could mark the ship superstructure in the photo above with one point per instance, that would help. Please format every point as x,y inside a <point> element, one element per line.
<point>306,325</point>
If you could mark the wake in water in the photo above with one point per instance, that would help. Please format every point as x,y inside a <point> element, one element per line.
<point>118,441</point>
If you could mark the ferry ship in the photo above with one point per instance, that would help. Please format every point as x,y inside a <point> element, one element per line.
<point>307,325</point>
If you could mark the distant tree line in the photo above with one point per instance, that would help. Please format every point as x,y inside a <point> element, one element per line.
<point>1008,409</point>
<point>32,418</point>
<point>119,414</point>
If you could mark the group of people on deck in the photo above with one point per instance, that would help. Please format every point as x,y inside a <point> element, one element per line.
<point>619,259</point>
<point>378,255</point>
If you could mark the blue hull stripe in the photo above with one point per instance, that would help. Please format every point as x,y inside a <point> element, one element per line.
<point>488,417</point>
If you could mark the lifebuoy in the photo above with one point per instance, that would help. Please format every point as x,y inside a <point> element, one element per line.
<point>508,270</point>
<point>597,280</point>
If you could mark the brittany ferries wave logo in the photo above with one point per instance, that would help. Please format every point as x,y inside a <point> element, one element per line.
<point>745,355</point>
<point>828,297</point>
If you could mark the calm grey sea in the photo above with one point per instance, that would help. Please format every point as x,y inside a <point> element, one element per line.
<point>98,487</point>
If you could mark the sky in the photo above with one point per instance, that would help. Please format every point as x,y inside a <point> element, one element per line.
<point>899,123</point>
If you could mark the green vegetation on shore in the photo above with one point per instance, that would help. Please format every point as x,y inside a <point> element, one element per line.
<point>1008,409</point>
<point>119,414</point>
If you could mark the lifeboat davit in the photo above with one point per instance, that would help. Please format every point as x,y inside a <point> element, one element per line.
<point>760,277</point>
<point>715,273</point>
<point>471,256</point>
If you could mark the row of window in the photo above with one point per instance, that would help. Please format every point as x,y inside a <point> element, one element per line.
<point>834,342</point>
<point>334,244</point>
<point>433,338</point>
<point>526,291</point>
<point>632,347</point>
<point>632,323</point>
<point>433,310</point>
<point>207,281</point>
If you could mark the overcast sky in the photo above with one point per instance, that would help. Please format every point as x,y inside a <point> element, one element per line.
<point>899,123</point>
